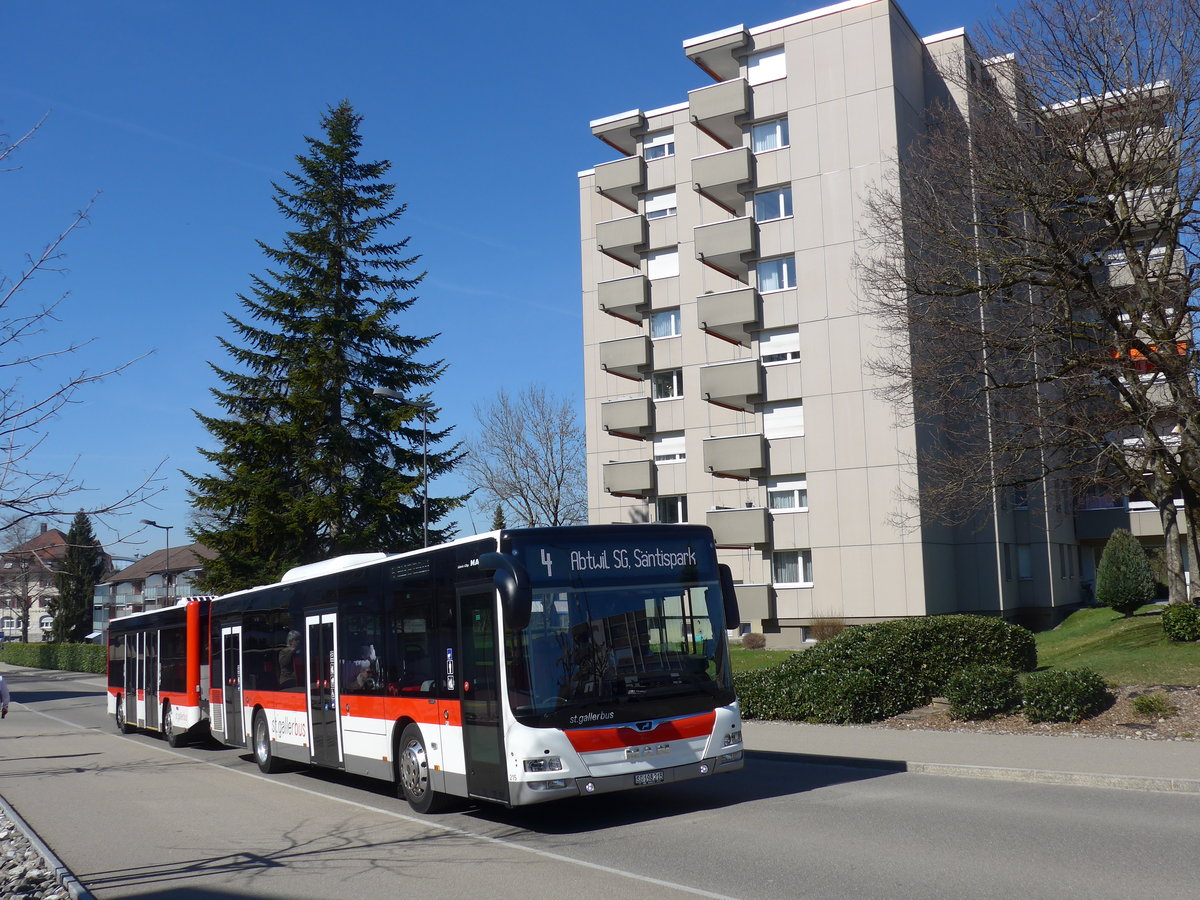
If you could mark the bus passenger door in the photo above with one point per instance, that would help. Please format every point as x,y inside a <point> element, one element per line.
<point>137,686</point>
<point>231,670</point>
<point>150,673</point>
<point>323,690</point>
<point>482,722</point>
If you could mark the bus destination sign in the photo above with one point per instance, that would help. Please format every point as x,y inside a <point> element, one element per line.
<point>567,563</point>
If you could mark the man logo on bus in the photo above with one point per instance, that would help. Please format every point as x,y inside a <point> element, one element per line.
<point>548,562</point>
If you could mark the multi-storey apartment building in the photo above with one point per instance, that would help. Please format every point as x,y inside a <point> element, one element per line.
<point>726,349</point>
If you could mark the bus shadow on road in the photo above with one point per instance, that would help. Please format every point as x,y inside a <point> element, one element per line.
<point>767,776</point>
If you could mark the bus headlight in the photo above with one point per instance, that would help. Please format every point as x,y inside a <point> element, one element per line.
<point>544,764</point>
<point>734,737</point>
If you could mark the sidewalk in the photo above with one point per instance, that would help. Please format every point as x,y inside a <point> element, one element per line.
<point>1128,764</point>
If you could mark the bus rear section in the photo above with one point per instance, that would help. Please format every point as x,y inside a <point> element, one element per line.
<point>158,670</point>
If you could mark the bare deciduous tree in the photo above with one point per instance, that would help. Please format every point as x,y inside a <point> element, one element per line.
<point>529,459</point>
<point>1036,264</point>
<point>27,489</point>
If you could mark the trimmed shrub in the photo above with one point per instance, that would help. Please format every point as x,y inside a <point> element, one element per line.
<point>1066,695</point>
<point>982,691</point>
<point>754,641</point>
<point>1181,622</point>
<point>1124,580</point>
<point>1155,705</point>
<point>871,672</point>
<point>67,657</point>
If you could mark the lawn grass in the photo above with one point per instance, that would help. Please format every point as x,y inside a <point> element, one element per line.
<point>1126,651</point>
<point>744,660</point>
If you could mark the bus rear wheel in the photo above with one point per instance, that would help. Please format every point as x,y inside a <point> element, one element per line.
<point>172,735</point>
<point>123,725</point>
<point>412,773</point>
<point>261,744</point>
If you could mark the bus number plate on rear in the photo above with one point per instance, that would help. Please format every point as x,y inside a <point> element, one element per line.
<point>648,778</point>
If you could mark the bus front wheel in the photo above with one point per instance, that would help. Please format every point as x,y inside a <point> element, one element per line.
<point>123,725</point>
<point>412,773</point>
<point>262,744</point>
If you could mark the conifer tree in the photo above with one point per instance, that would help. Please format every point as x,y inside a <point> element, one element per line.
<point>1124,579</point>
<point>307,462</point>
<point>80,571</point>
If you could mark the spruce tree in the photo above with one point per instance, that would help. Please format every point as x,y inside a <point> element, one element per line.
<point>498,518</point>
<point>80,571</point>
<point>308,463</point>
<point>1124,579</point>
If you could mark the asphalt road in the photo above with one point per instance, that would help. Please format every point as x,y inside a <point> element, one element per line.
<point>131,817</point>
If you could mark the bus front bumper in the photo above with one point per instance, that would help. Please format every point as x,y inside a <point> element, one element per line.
<point>529,792</point>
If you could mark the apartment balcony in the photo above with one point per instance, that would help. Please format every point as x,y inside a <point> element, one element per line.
<point>621,179</point>
<point>718,53</point>
<point>749,527</point>
<point>755,602</point>
<point>622,239</point>
<point>632,418</point>
<point>629,479</point>
<point>626,298</point>
<point>727,246</point>
<point>1148,153</point>
<point>740,456</point>
<point>1120,274</point>
<point>626,357</point>
<point>733,385</point>
<point>728,314</point>
<point>719,109</point>
<point>721,176</point>
<point>619,131</point>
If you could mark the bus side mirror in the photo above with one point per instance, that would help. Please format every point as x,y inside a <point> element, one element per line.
<point>512,581</point>
<point>733,618</point>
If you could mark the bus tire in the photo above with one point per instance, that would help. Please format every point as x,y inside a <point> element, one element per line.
<point>412,773</point>
<point>260,744</point>
<point>172,735</point>
<point>123,725</point>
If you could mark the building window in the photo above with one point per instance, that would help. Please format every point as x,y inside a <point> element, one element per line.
<point>1020,497</point>
<point>669,448</point>
<point>792,567</point>
<point>665,324</point>
<point>46,622</point>
<point>660,204</point>
<point>1024,562</point>
<point>672,510</point>
<point>777,274</point>
<point>766,66</point>
<point>788,494</point>
<point>9,622</point>
<point>769,135</point>
<point>1007,562</point>
<point>668,384</point>
<point>659,145</point>
<point>773,204</point>
<point>779,346</point>
<point>783,419</point>
<point>662,263</point>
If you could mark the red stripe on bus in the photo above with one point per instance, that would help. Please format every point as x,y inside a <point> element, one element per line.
<point>592,739</point>
<point>294,701</point>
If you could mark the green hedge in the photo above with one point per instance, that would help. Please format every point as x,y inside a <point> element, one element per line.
<point>983,691</point>
<point>872,672</point>
<point>1181,622</point>
<point>1065,695</point>
<point>67,657</point>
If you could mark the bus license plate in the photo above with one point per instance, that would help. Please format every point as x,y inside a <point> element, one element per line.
<point>648,778</point>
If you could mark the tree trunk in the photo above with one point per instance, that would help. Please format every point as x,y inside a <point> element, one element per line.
<point>1172,556</point>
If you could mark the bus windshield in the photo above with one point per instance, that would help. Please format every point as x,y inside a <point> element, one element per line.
<point>628,631</point>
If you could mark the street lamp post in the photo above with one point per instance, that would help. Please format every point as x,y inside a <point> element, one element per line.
<point>424,408</point>
<point>167,573</point>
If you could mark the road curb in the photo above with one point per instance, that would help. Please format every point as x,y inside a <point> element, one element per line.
<point>64,875</point>
<point>994,773</point>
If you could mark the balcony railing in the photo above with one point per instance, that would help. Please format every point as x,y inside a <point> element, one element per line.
<point>729,314</point>
<point>622,239</point>
<point>748,527</point>
<point>734,385</point>
<point>620,180</point>
<point>719,109</point>
<point>626,357</point>
<point>741,456</point>
<point>626,298</point>
<point>629,479</point>
<point>618,131</point>
<point>721,176</point>
<point>727,246</point>
<point>632,418</point>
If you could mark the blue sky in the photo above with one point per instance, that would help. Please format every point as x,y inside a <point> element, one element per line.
<point>179,115</point>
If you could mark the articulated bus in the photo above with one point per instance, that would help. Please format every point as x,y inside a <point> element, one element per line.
<point>517,667</point>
